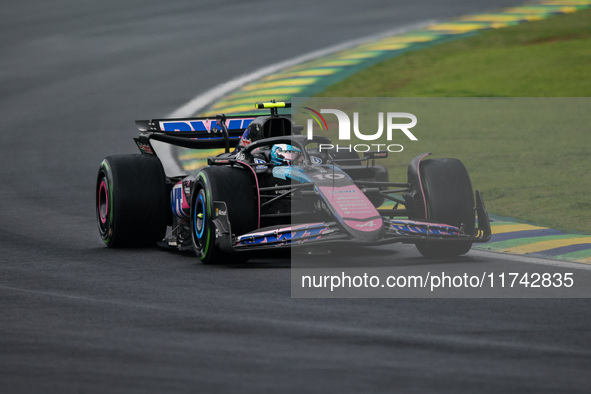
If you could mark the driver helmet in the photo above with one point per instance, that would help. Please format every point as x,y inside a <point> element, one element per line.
<point>285,154</point>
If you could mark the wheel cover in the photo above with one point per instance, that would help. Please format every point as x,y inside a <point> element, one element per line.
<point>104,207</point>
<point>199,217</point>
<point>103,201</point>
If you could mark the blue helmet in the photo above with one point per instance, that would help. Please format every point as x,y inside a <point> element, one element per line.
<point>285,154</point>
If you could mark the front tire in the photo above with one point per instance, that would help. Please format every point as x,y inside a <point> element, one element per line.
<point>131,201</point>
<point>235,187</point>
<point>449,199</point>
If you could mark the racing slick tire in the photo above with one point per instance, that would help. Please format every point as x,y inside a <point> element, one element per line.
<point>448,199</point>
<point>131,200</point>
<point>235,187</point>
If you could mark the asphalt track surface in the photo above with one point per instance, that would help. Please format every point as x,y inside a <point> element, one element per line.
<point>78,317</point>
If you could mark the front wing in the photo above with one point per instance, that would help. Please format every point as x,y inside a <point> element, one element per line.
<point>308,234</point>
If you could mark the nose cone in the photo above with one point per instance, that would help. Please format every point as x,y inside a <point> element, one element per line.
<point>354,211</point>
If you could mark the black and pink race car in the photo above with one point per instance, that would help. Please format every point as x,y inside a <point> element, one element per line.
<point>274,188</point>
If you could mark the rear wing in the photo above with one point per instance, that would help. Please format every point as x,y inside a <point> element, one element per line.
<point>197,133</point>
<point>214,132</point>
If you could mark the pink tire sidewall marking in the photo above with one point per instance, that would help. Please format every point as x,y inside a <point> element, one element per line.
<point>106,201</point>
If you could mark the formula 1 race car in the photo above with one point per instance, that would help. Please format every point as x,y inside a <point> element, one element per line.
<point>274,188</point>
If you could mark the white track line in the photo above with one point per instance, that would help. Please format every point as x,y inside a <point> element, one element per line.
<point>165,151</point>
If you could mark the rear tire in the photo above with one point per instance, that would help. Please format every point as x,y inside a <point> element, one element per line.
<point>131,200</point>
<point>449,199</point>
<point>235,187</point>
